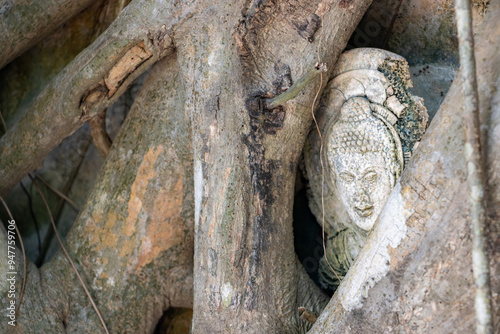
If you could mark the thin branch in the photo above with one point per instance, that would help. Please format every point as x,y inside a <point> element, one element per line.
<point>68,257</point>
<point>50,233</point>
<point>100,137</point>
<point>475,168</point>
<point>58,193</point>
<point>295,89</point>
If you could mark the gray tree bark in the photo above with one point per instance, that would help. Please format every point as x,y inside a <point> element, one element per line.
<point>140,36</point>
<point>23,23</point>
<point>133,241</point>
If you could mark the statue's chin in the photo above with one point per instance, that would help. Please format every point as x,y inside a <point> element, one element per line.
<point>365,222</point>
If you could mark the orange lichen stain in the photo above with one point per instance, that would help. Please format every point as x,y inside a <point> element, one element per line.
<point>109,237</point>
<point>145,173</point>
<point>92,227</point>
<point>127,247</point>
<point>166,226</point>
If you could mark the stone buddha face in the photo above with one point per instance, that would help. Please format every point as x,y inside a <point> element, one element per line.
<point>362,154</point>
<point>363,185</point>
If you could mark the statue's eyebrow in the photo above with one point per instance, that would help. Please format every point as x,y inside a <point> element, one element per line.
<point>348,173</point>
<point>369,170</point>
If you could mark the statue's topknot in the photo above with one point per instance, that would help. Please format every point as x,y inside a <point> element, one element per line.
<point>355,110</point>
<point>359,130</point>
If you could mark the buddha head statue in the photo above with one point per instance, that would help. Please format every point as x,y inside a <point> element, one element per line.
<point>363,155</point>
<point>368,125</point>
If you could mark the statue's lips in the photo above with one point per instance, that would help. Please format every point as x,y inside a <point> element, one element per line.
<point>365,211</point>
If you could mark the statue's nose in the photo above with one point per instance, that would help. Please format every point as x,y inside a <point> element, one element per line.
<point>361,196</point>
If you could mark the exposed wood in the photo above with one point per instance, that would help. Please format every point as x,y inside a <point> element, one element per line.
<point>127,64</point>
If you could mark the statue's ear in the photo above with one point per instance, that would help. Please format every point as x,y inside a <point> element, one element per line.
<point>378,112</point>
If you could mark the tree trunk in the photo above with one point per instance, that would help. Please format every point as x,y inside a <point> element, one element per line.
<point>245,157</point>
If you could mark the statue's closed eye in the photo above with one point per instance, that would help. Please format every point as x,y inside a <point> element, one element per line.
<point>371,177</point>
<point>347,177</point>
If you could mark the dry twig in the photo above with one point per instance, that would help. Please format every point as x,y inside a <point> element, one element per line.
<point>3,122</point>
<point>57,192</point>
<point>100,137</point>
<point>475,169</point>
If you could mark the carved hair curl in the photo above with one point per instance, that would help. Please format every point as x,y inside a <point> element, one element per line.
<point>359,131</point>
